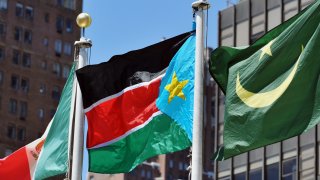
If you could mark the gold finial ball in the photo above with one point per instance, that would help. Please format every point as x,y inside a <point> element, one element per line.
<point>84,20</point>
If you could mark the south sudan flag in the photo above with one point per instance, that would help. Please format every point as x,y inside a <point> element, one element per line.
<point>139,104</point>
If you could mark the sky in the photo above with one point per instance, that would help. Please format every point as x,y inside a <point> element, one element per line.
<point>121,26</point>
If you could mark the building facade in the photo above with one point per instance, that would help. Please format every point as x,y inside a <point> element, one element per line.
<point>36,54</point>
<point>295,158</point>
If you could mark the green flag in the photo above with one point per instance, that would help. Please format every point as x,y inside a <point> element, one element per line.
<point>272,87</point>
<point>53,158</point>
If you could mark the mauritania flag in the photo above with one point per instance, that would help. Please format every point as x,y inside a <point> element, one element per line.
<point>139,104</point>
<point>26,164</point>
<point>272,87</point>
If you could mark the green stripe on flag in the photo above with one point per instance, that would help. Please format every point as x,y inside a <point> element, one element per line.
<point>54,155</point>
<point>162,135</point>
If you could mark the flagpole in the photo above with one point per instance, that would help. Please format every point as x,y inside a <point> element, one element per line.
<point>83,21</point>
<point>197,133</point>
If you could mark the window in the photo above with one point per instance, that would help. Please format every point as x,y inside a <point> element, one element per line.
<point>180,166</point>
<point>28,36</point>
<point>1,77</point>
<point>58,47</point>
<point>3,5</point>
<point>29,12</point>
<point>148,174</point>
<point>43,64</point>
<point>65,72</point>
<point>67,49</point>
<point>45,42</point>
<point>2,29</point>
<point>13,106</point>
<point>41,114</point>
<point>23,110</point>
<point>289,168</point>
<point>11,131</point>
<point>55,93</point>
<point>42,88</point>
<point>17,33</point>
<point>240,176</point>
<point>21,136</point>
<point>59,2</point>
<point>19,9</point>
<point>255,174</point>
<point>47,17</point>
<point>15,56</point>
<point>26,60</point>
<point>14,82</point>
<point>143,173</point>
<point>59,24</point>
<point>70,4</point>
<point>56,68</point>
<point>2,53</point>
<point>25,85</point>
<point>170,163</point>
<point>273,171</point>
<point>69,25</point>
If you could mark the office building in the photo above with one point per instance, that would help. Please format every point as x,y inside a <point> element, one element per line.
<point>295,158</point>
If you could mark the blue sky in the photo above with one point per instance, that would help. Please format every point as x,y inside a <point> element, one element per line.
<point>121,26</point>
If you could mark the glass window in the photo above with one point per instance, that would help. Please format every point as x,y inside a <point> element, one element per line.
<point>2,29</point>
<point>11,131</point>
<point>28,36</point>
<point>29,12</point>
<point>143,173</point>
<point>58,47</point>
<point>13,106</point>
<point>67,49</point>
<point>17,33</point>
<point>170,163</point>
<point>45,42</point>
<point>26,60</point>
<point>14,82</point>
<point>255,174</point>
<point>70,4</point>
<point>21,136</point>
<point>41,114</point>
<point>180,166</point>
<point>43,64</point>
<point>47,17</point>
<point>56,68</point>
<point>65,72</point>
<point>15,56</point>
<point>19,9</point>
<point>240,176</point>
<point>55,93</point>
<point>42,88</point>
<point>289,168</point>
<point>59,2</point>
<point>3,4</point>
<point>2,53</point>
<point>69,25</point>
<point>25,85</point>
<point>23,110</point>
<point>59,24</point>
<point>273,171</point>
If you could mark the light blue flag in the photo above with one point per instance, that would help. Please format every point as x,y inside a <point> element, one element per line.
<point>177,87</point>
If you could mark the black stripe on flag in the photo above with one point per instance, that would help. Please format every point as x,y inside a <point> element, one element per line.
<point>121,71</point>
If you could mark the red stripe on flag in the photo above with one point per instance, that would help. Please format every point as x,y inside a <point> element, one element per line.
<point>15,166</point>
<point>113,118</point>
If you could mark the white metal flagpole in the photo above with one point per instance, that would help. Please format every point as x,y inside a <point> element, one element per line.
<point>197,140</point>
<point>83,20</point>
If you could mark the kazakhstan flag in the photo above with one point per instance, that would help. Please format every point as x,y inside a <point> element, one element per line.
<point>177,87</point>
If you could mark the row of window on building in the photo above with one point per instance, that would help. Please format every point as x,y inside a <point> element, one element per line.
<point>289,172</point>
<point>16,133</point>
<point>69,4</point>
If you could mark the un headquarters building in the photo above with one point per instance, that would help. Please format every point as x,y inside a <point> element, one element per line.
<point>295,158</point>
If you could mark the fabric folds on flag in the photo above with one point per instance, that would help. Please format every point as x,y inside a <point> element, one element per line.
<point>125,101</point>
<point>272,87</point>
<point>23,163</point>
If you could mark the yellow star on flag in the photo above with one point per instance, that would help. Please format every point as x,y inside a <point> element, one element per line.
<point>175,88</point>
<point>266,50</point>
